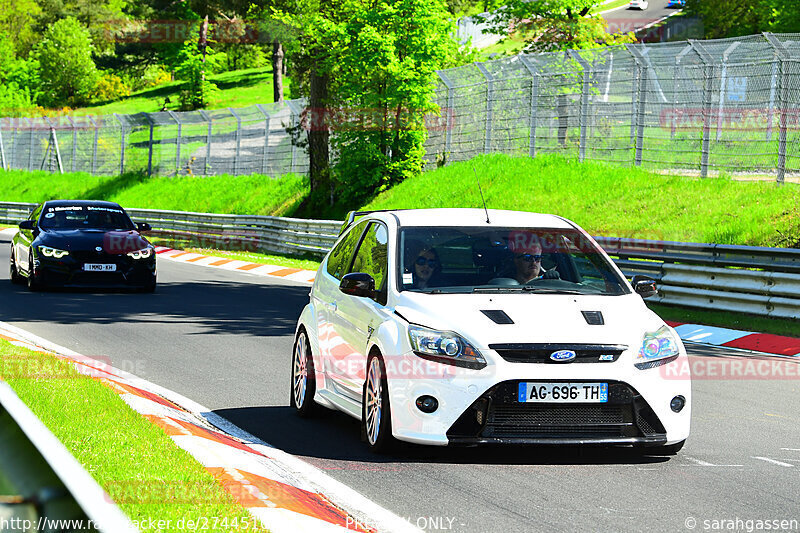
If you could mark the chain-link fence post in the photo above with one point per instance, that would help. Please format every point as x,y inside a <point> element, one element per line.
<point>783,100</point>
<point>94,144</point>
<point>3,162</point>
<point>487,145</point>
<point>56,149</point>
<point>207,164</point>
<point>177,120</point>
<point>266,138</point>
<point>708,94</point>
<point>448,132</point>
<point>238,141</point>
<point>641,101</point>
<point>14,141</point>
<point>584,111</point>
<point>532,113</point>
<point>150,145</point>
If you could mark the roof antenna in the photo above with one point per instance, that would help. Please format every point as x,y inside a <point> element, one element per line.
<point>481,191</point>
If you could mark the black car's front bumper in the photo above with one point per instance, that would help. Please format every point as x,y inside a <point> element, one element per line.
<point>497,417</point>
<point>69,271</point>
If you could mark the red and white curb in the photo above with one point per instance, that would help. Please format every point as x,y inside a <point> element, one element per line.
<point>744,340</point>
<point>286,494</point>
<point>259,269</point>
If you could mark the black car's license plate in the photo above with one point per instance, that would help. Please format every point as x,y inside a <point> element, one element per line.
<point>563,392</point>
<point>95,267</point>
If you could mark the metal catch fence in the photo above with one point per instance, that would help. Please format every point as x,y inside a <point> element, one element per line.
<point>757,280</point>
<point>729,105</point>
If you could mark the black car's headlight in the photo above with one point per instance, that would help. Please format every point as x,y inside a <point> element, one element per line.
<point>658,347</point>
<point>445,347</point>
<point>141,254</point>
<point>52,252</point>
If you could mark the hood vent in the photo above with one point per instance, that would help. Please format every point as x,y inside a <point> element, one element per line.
<point>497,316</point>
<point>593,318</point>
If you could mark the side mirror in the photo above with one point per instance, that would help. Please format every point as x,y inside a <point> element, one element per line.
<point>27,225</point>
<point>644,286</point>
<point>143,226</point>
<point>358,284</point>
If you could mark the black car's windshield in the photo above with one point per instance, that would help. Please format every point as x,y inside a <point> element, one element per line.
<point>504,260</point>
<point>85,217</point>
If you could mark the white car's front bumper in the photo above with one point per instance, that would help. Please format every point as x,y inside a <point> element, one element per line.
<point>637,412</point>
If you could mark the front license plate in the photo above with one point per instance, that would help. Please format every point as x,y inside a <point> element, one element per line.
<point>89,267</point>
<point>563,392</point>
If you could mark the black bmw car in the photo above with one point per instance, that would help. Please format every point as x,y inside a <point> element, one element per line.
<point>80,243</point>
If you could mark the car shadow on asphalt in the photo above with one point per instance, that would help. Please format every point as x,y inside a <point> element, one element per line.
<point>334,436</point>
<point>212,306</point>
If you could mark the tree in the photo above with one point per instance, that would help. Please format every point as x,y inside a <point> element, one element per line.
<point>734,18</point>
<point>67,70</point>
<point>549,25</point>
<point>390,51</point>
<point>17,18</point>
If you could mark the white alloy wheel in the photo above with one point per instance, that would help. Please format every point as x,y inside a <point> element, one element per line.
<point>303,376</point>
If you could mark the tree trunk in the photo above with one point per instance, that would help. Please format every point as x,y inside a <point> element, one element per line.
<point>202,45</point>
<point>277,71</point>
<point>318,134</point>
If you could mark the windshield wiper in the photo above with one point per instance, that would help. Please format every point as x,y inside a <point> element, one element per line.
<point>524,288</point>
<point>544,290</point>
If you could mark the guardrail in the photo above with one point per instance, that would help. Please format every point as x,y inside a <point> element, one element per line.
<point>58,492</point>
<point>758,280</point>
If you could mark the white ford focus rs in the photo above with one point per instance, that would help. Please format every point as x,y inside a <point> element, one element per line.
<point>464,327</point>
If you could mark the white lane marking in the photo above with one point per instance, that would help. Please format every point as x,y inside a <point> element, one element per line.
<point>773,461</point>
<point>791,449</point>
<point>700,462</point>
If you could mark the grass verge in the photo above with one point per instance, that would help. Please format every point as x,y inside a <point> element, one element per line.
<point>132,459</point>
<point>239,88</point>
<point>740,321</point>
<point>612,200</point>
<point>254,195</point>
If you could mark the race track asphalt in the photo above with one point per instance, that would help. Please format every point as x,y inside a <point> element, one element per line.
<point>224,339</point>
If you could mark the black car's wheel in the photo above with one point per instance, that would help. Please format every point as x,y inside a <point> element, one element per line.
<point>376,419</point>
<point>13,272</point>
<point>33,283</point>
<point>303,377</point>
<point>149,288</point>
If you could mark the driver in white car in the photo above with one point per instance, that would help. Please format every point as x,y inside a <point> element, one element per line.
<point>528,258</point>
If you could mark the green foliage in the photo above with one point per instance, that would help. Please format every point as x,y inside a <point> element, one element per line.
<point>197,91</point>
<point>549,25</point>
<point>110,87</point>
<point>67,70</point>
<point>389,51</point>
<point>733,18</point>
<point>17,21</point>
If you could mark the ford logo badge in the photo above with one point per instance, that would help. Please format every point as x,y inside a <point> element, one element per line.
<point>99,248</point>
<point>563,356</point>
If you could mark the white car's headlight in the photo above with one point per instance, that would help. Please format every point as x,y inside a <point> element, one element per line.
<point>658,348</point>
<point>141,254</point>
<point>444,347</point>
<point>53,252</point>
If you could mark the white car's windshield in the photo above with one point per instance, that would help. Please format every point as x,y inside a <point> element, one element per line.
<point>480,259</point>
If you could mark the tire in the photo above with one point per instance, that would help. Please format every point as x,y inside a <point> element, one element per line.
<point>376,417</point>
<point>149,288</point>
<point>303,383</point>
<point>33,285</point>
<point>13,272</point>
